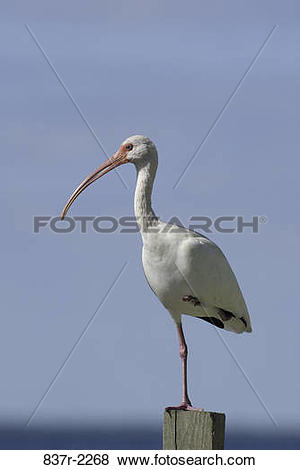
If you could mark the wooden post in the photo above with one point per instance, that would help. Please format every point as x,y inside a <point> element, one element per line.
<point>189,430</point>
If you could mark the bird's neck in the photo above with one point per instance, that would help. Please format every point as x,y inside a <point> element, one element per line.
<point>144,213</point>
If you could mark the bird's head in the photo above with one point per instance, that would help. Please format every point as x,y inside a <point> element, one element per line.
<point>136,149</point>
<point>141,150</point>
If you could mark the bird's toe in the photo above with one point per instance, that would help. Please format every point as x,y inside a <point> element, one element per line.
<point>183,407</point>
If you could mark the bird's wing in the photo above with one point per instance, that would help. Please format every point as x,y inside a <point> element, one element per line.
<point>210,276</point>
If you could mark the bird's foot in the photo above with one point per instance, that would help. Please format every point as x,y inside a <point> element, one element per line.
<point>185,407</point>
<point>191,298</point>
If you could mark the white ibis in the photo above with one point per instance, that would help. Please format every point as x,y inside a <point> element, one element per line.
<point>189,273</point>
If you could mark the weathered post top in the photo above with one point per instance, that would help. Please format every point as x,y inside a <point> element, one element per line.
<point>192,430</point>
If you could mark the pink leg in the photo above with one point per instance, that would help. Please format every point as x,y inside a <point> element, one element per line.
<point>186,402</point>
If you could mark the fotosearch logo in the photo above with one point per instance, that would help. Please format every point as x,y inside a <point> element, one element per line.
<point>129,224</point>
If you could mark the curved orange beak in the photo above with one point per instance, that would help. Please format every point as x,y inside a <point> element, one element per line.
<point>119,158</point>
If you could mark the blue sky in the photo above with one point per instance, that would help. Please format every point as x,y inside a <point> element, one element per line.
<point>166,71</point>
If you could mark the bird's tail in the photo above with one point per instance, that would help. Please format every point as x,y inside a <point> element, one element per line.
<point>238,324</point>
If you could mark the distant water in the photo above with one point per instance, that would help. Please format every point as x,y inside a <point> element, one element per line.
<point>133,438</point>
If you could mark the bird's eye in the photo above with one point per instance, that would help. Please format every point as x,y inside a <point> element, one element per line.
<point>129,147</point>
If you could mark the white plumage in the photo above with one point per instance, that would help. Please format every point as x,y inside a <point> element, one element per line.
<point>187,271</point>
<point>188,264</point>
